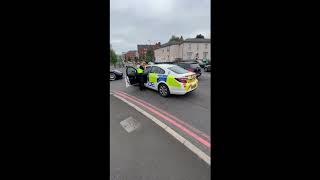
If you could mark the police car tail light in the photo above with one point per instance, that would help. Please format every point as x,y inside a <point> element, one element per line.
<point>183,80</point>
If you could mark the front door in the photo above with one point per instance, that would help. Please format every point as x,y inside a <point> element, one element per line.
<point>131,75</point>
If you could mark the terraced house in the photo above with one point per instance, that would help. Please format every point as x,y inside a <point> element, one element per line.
<point>189,49</point>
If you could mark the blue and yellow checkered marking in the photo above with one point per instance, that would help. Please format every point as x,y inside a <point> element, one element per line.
<point>162,78</point>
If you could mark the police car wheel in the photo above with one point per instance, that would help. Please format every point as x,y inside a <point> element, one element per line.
<point>164,90</point>
<point>112,76</point>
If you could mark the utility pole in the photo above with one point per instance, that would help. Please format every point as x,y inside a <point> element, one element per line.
<point>149,47</point>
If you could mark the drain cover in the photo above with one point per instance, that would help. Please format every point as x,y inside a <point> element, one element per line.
<point>130,124</point>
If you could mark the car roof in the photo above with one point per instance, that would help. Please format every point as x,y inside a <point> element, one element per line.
<point>165,66</point>
<point>189,62</point>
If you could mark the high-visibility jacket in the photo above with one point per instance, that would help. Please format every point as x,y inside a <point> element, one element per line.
<point>139,70</point>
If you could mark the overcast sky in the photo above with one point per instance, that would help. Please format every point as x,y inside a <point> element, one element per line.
<point>138,21</point>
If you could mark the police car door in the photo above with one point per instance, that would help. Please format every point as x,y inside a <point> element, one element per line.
<point>152,78</point>
<point>131,75</point>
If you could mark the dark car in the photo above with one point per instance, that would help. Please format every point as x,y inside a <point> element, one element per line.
<point>115,74</point>
<point>207,68</point>
<point>201,64</point>
<point>192,66</point>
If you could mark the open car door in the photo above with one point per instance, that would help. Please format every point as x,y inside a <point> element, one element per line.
<point>131,75</point>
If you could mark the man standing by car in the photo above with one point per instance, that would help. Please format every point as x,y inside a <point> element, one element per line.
<point>140,71</point>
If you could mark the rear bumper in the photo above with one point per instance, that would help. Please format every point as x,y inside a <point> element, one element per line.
<point>182,91</point>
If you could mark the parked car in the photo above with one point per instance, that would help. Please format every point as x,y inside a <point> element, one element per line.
<point>165,78</point>
<point>201,64</point>
<point>191,66</point>
<point>207,68</point>
<point>115,74</point>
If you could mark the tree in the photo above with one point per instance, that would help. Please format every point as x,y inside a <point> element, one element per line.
<point>142,57</point>
<point>200,36</point>
<point>119,60</point>
<point>113,57</point>
<point>149,55</point>
<point>174,39</point>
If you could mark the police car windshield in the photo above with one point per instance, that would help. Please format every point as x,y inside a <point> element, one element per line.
<point>178,70</point>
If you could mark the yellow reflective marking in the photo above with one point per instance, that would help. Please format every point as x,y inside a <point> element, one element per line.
<point>153,77</point>
<point>171,81</point>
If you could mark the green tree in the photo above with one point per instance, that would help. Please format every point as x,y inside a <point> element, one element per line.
<point>149,56</point>
<point>200,36</point>
<point>142,57</point>
<point>174,39</point>
<point>113,58</point>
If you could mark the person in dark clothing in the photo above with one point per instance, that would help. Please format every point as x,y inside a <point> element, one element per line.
<point>141,76</point>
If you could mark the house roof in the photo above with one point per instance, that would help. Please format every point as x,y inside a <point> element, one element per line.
<point>168,44</point>
<point>142,46</point>
<point>190,40</point>
<point>197,40</point>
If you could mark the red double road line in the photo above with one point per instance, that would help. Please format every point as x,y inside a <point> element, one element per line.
<point>170,115</point>
<point>171,121</point>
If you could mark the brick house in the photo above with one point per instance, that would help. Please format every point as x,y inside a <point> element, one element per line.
<point>131,55</point>
<point>142,49</point>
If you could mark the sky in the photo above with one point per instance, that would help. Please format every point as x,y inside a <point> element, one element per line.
<point>135,22</point>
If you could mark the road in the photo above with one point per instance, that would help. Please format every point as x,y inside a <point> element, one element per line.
<point>192,111</point>
<point>148,152</point>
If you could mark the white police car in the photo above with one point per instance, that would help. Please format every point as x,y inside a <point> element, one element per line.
<point>165,78</point>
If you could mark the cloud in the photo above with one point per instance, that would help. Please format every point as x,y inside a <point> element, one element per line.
<point>137,22</point>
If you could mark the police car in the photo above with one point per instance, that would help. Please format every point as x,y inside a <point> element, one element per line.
<point>165,78</point>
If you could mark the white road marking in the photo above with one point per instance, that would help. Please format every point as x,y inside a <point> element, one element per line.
<point>130,124</point>
<point>127,82</point>
<point>177,136</point>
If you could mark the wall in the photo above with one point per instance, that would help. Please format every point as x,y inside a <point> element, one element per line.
<point>131,55</point>
<point>162,54</point>
<point>174,52</point>
<point>194,50</point>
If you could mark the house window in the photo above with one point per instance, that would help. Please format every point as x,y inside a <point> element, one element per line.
<point>163,50</point>
<point>205,55</point>
<point>197,46</point>
<point>168,49</point>
<point>189,55</point>
<point>189,47</point>
<point>206,46</point>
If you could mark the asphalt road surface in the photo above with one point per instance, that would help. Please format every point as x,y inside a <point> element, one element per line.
<point>192,110</point>
<point>148,152</point>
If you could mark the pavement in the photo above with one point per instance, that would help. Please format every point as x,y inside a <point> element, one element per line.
<point>146,151</point>
<point>192,110</point>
